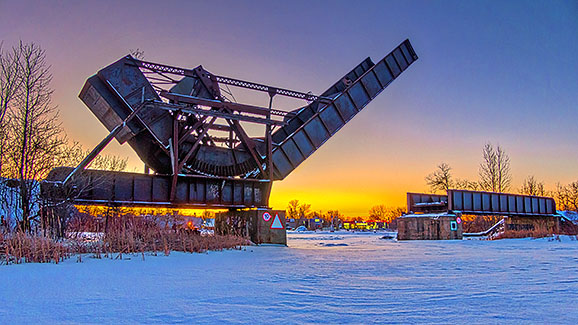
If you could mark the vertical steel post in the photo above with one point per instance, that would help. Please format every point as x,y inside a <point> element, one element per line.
<point>269,140</point>
<point>175,155</point>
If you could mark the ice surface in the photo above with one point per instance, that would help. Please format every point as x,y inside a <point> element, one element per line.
<point>367,281</point>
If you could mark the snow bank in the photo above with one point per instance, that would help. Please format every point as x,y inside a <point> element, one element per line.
<point>367,281</point>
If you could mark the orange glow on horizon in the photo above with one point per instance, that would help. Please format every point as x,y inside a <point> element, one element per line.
<point>467,88</point>
<point>350,200</point>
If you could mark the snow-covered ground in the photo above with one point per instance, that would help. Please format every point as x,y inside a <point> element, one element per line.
<point>320,278</point>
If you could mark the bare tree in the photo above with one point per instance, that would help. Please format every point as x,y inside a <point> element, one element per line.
<point>494,170</point>
<point>334,217</point>
<point>464,184</point>
<point>32,142</point>
<point>440,179</point>
<point>387,214</point>
<point>378,212</point>
<point>396,213</point>
<point>293,209</point>
<point>72,154</point>
<point>334,214</point>
<point>304,211</point>
<point>9,85</point>
<point>531,186</point>
<point>567,196</point>
<point>298,211</point>
<point>33,133</point>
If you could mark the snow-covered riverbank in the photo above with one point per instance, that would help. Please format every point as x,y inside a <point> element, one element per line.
<point>319,278</point>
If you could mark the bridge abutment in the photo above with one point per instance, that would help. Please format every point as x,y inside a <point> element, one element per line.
<point>261,226</point>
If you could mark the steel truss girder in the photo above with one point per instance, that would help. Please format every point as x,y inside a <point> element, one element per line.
<point>243,108</point>
<point>208,112</point>
<point>157,67</point>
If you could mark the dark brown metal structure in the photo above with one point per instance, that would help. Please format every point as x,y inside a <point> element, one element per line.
<point>97,187</point>
<point>186,126</point>
<point>482,203</point>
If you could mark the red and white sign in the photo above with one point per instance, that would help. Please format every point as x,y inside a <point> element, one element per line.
<point>276,224</point>
<point>459,220</point>
<point>266,216</point>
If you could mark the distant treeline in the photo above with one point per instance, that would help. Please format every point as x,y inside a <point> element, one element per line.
<point>494,175</point>
<point>297,211</point>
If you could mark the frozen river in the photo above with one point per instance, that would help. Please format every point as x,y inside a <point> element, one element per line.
<point>320,278</point>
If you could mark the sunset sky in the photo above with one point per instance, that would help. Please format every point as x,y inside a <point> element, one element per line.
<point>499,71</point>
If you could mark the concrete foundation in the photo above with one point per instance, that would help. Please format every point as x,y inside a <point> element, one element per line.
<point>261,226</point>
<point>429,227</point>
<point>542,224</point>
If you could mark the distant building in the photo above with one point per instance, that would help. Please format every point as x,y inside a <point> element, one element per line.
<point>365,225</point>
<point>290,223</point>
<point>314,223</point>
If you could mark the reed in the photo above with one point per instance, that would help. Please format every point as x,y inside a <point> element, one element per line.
<point>132,235</point>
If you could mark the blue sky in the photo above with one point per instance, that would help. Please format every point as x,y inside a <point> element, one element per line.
<point>498,71</point>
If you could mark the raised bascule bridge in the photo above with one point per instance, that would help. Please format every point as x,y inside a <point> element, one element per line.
<point>191,134</point>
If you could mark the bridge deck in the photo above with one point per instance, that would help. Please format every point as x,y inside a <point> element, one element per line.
<point>482,203</point>
<point>97,187</point>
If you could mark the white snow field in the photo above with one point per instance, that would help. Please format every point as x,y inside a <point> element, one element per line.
<point>320,278</point>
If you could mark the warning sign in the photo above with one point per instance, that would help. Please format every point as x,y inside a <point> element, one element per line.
<point>276,224</point>
<point>266,216</point>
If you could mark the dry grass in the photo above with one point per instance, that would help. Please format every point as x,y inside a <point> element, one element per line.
<point>569,228</point>
<point>473,224</point>
<point>536,233</point>
<point>25,248</point>
<point>125,235</point>
<point>536,230</point>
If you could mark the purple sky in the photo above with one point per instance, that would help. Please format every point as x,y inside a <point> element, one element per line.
<point>498,71</point>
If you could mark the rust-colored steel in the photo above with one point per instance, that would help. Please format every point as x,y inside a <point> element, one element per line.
<point>182,123</point>
<point>482,203</point>
<point>98,187</point>
<point>477,202</point>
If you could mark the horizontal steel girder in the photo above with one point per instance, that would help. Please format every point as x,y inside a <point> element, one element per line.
<point>97,187</point>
